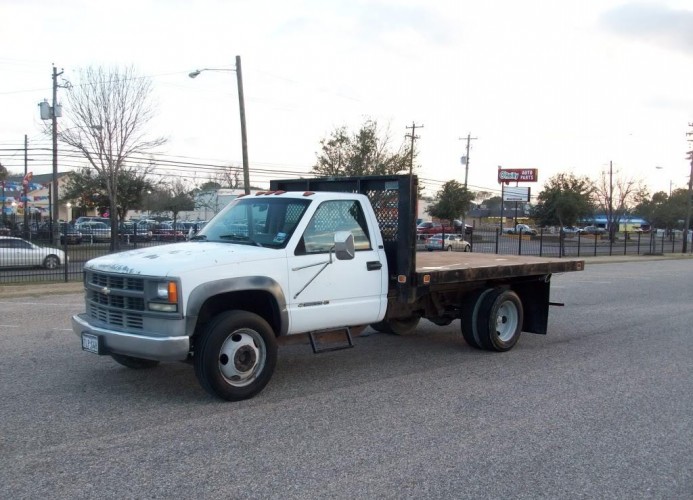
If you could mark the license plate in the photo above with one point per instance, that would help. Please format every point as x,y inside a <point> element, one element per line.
<point>90,342</point>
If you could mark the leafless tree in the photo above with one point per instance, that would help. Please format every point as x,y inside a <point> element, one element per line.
<point>107,114</point>
<point>228,177</point>
<point>615,195</point>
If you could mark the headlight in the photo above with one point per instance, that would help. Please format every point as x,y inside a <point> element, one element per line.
<point>166,299</point>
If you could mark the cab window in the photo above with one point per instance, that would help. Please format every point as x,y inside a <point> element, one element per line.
<point>330,217</point>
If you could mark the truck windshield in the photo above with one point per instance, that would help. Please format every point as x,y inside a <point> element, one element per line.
<point>259,221</point>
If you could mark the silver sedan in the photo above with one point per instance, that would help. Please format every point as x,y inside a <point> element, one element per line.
<point>451,242</point>
<point>16,252</point>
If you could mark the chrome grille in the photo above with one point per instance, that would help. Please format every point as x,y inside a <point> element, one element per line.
<point>122,319</point>
<point>117,282</point>
<point>116,300</point>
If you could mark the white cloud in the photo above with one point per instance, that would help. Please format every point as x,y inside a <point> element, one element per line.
<point>653,23</point>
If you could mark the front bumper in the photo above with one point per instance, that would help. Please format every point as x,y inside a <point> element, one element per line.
<point>138,346</point>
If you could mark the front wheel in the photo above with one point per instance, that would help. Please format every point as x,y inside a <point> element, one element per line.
<point>449,249</point>
<point>235,356</point>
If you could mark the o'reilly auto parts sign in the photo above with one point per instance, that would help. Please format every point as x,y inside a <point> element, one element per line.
<point>518,175</point>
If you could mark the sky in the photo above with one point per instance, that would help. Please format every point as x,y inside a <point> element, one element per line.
<point>556,85</point>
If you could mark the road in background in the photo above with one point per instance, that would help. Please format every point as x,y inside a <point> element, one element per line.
<point>599,408</point>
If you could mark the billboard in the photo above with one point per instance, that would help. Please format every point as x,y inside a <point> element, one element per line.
<point>515,193</point>
<point>518,175</point>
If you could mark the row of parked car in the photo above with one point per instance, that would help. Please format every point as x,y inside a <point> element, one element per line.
<point>426,228</point>
<point>98,230</point>
<point>18,252</point>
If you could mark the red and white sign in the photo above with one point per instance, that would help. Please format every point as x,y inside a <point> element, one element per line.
<point>518,175</point>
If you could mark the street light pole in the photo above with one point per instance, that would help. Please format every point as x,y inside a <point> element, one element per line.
<point>244,134</point>
<point>241,105</point>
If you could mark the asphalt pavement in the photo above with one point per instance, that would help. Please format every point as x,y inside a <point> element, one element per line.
<point>598,408</point>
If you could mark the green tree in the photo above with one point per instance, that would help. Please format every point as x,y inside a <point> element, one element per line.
<point>564,201</point>
<point>174,198</point>
<point>451,202</point>
<point>492,203</point>
<point>367,152</point>
<point>87,188</point>
<point>664,211</point>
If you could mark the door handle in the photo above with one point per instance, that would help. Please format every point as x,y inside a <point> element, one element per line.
<point>374,265</point>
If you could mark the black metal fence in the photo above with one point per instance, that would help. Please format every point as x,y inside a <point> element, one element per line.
<point>38,261</point>
<point>561,244</point>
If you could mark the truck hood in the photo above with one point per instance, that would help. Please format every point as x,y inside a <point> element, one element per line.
<point>178,258</point>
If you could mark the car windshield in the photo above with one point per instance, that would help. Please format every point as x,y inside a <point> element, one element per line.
<point>259,221</point>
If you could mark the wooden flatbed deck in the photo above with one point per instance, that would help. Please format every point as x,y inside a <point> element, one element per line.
<point>455,267</point>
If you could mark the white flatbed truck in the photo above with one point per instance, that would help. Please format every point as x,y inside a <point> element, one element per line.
<point>318,258</point>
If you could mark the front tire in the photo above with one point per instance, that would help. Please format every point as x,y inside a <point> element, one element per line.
<point>236,355</point>
<point>134,363</point>
<point>449,249</point>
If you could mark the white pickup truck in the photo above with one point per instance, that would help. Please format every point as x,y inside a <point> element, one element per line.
<point>305,258</point>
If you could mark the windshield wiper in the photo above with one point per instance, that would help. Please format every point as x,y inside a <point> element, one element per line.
<point>198,237</point>
<point>240,238</point>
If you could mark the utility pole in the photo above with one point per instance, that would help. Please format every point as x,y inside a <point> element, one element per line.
<point>52,113</point>
<point>611,201</point>
<point>25,188</point>
<point>687,224</point>
<point>466,158</point>
<point>3,176</point>
<point>55,205</point>
<point>413,137</point>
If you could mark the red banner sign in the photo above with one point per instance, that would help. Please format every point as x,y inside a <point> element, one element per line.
<point>518,175</point>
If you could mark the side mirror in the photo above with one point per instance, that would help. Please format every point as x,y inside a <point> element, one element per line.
<point>344,245</point>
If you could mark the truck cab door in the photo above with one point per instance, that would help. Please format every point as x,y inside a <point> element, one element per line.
<point>325,292</point>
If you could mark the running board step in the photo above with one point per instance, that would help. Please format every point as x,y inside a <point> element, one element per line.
<point>313,336</point>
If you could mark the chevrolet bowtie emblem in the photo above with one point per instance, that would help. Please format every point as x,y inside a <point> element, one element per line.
<point>105,290</point>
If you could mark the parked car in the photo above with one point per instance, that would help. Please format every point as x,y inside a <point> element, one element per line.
<point>16,252</point>
<point>428,227</point>
<point>69,235</point>
<point>451,242</point>
<point>458,227</point>
<point>571,230</point>
<point>94,231</point>
<point>130,232</point>
<point>522,229</point>
<point>87,218</point>
<point>423,229</point>
<point>593,230</point>
<point>164,231</point>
